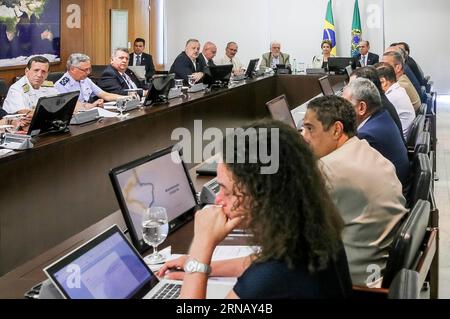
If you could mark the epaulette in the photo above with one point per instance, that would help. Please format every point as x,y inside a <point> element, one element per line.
<point>64,81</point>
<point>47,84</point>
<point>26,88</point>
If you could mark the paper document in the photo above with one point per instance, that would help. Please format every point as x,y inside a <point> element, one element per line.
<point>229,252</point>
<point>4,152</point>
<point>105,113</point>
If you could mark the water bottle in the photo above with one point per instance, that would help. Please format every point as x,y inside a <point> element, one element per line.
<point>294,67</point>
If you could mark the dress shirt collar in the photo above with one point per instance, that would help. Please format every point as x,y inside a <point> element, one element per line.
<point>363,122</point>
<point>393,87</point>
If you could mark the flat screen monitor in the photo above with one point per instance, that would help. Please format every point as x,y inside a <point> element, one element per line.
<point>325,85</point>
<point>279,109</point>
<point>160,179</point>
<point>53,113</point>
<point>338,64</point>
<point>159,89</point>
<point>251,67</point>
<point>218,74</point>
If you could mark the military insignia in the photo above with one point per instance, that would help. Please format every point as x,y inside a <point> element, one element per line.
<point>26,88</point>
<point>64,81</point>
<point>48,84</point>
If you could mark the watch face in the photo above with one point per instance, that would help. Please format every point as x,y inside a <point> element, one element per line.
<point>190,266</point>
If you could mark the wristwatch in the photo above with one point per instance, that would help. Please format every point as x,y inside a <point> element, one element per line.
<point>193,265</point>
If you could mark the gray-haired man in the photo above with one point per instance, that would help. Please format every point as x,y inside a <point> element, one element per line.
<point>76,79</point>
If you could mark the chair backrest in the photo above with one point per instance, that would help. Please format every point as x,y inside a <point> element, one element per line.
<point>422,109</point>
<point>405,285</point>
<point>97,70</point>
<point>423,143</point>
<point>54,76</point>
<point>421,179</point>
<point>406,246</point>
<point>416,127</point>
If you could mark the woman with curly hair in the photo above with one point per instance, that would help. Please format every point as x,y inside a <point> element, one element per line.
<point>289,213</point>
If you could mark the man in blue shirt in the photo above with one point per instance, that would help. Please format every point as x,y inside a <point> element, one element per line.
<point>76,79</point>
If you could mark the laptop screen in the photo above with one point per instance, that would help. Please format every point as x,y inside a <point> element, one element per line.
<point>279,109</point>
<point>160,179</point>
<point>325,85</point>
<point>107,267</point>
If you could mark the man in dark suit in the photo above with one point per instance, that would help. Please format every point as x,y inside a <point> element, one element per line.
<point>186,63</point>
<point>205,59</point>
<point>365,57</point>
<point>139,57</point>
<point>117,78</point>
<point>377,127</point>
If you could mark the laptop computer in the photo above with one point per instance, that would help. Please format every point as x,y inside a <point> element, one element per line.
<point>315,71</point>
<point>327,89</point>
<point>279,109</point>
<point>109,267</point>
<point>252,64</point>
<point>160,179</point>
<point>139,71</point>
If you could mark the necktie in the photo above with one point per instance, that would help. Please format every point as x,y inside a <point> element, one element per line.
<point>128,81</point>
<point>363,60</point>
<point>138,60</point>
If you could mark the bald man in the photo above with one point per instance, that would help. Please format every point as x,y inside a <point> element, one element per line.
<point>206,57</point>
<point>274,57</point>
<point>186,63</point>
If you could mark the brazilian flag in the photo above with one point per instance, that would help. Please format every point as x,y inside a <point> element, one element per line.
<point>356,30</point>
<point>328,30</point>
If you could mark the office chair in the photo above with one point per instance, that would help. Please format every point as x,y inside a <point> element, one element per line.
<point>54,76</point>
<point>405,285</point>
<point>423,143</point>
<point>416,127</point>
<point>421,179</point>
<point>3,91</point>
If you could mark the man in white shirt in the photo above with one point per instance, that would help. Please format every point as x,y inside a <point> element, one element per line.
<point>230,58</point>
<point>25,93</point>
<point>397,95</point>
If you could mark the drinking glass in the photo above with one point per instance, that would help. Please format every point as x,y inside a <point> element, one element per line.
<point>179,83</point>
<point>155,228</point>
<point>191,80</point>
<point>121,106</point>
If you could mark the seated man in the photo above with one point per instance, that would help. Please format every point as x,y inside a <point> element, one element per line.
<point>25,93</point>
<point>76,79</point>
<point>117,78</point>
<point>186,62</point>
<point>377,127</point>
<point>364,57</point>
<point>139,57</point>
<point>289,212</point>
<point>230,58</point>
<point>397,95</point>
<point>362,184</point>
<point>205,59</point>
<point>371,73</point>
<point>274,57</point>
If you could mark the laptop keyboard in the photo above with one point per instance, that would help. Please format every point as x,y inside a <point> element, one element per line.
<point>168,291</point>
<point>239,77</point>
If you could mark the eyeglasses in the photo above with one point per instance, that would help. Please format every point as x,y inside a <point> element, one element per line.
<point>87,70</point>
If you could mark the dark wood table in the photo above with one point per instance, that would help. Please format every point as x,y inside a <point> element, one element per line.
<point>61,187</point>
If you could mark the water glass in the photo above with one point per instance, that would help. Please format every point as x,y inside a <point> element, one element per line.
<point>155,228</point>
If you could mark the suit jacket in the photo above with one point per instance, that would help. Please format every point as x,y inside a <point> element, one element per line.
<point>411,76</point>
<point>388,106</point>
<point>372,59</point>
<point>112,82</point>
<point>2,113</point>
<point>202,63</point>
<point>183,66</point>
<point>416,70</point>
<point>147,61</point>
<point>267,59</point>
<point>364,187</point>
<point>383,135</point>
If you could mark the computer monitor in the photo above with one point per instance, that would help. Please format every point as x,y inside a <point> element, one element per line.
<point>218,74</point>
<point>159,90</point>
<point>53,113</point>
<point>325,85</point>
<point>279,109</point>
<point>251,67</point>
<point>160,179</point>
<point>338,64</point>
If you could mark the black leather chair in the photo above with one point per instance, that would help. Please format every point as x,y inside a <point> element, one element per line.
<point>54,76</point>
<point>423,143</point>
<point>3,91</point>
<point>421,179</point>
<point>405,285</point>
<point>417,126</point>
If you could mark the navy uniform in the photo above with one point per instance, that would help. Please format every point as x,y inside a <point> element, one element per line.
<point>86,87</point>
<point>22,95</point>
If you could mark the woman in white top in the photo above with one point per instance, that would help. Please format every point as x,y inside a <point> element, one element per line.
<point>321,61</point>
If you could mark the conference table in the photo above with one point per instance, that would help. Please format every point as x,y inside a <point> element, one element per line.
<point>60,187</point>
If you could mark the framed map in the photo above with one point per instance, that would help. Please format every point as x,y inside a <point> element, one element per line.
<point>28,28</point>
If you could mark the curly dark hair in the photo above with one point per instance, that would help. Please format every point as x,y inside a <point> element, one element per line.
<point>293,217</point>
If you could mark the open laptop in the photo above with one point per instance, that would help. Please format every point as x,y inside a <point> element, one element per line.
<point>327,89</point>
<point>139,71</point>
<point>109,267</point>
<point>252,64</point>
<point>279,109</point>
<point>160,179</point>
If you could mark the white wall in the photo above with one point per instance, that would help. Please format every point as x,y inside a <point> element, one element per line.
<point>298,25</point>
